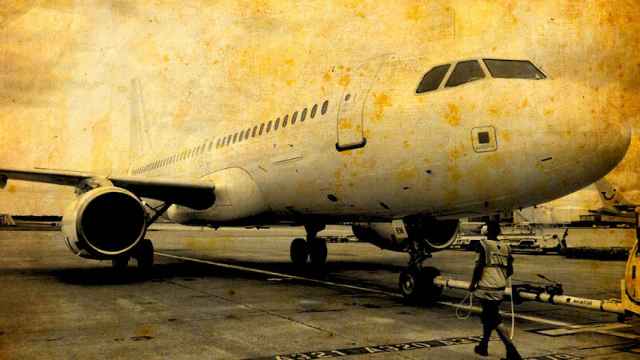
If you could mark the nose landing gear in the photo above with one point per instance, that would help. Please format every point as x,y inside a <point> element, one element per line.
<point>416,282</point>
<point>313,249</point>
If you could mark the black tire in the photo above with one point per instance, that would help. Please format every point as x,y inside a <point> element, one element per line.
<point>120,263</point>
<point>417,287</point>
<point>144,255</point>
<point>298,252</point>
<point>410,284</point>
<point>318,252</point>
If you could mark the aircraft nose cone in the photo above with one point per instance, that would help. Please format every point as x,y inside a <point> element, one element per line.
<point>614,142</point>
<point>580,146</point>
<point>600,145</point>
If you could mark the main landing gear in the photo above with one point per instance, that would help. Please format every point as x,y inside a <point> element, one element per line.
<point>142,253</point>
<point>416,282</point>
<point>312,249</point>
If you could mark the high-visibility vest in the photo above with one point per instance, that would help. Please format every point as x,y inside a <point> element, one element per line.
<point>494,273</point>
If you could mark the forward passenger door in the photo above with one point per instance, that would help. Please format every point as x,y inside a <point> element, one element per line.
<point>350,121</point>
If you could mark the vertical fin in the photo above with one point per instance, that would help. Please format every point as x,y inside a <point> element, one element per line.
<point>609,195</point>
<point>139,140</point>
<point>612,199</point>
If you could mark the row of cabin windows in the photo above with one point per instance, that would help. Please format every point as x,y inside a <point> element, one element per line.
<point>273,125</point>
<point>238,137</point>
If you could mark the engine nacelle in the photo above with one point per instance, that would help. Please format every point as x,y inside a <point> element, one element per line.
<point>381,235</point>
<point>104,222</point>
<point>435,235</point>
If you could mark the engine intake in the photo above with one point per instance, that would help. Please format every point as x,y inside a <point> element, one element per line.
<point>104,222</point>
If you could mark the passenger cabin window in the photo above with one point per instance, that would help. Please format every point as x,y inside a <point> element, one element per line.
<point>294,117</point>
<point>314,109</point>
<point>303,115</point>
<point>284,121</point>
<point>432,79</point>
<point>325,106</point>
<point>261,129</point>
<point>464,72</point>
<point>513,69</point>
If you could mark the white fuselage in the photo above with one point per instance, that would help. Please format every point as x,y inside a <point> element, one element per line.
<point>402,153</point>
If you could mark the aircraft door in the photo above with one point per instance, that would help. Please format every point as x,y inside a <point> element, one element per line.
<point>350,122</point>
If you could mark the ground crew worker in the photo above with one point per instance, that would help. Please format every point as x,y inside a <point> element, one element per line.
<point>494,265</point>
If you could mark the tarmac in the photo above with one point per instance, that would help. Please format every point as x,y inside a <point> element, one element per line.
<point>233,294</point>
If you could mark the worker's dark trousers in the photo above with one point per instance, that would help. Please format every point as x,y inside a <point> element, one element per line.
<point>491,320</point>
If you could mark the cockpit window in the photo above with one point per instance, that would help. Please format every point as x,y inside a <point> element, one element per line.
<point>465,71</point>
<point>432,79</point>
<point>513,69</point>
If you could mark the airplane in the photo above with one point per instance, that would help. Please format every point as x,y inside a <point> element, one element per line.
<point>400,148</point>
<point>601,198</point>
<point>614,202</point>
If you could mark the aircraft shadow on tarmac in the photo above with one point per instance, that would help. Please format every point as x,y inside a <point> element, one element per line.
<point>105,275</point>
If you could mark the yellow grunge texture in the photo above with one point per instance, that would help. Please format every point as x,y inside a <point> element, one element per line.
<point>66,66</point>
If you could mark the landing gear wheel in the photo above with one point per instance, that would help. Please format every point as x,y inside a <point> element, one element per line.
<point>298,252</point>
<point>120,263</point>
<point>318,252</point>
<point>410,283</point>
<point>417,287</point>
<point>144,255</point>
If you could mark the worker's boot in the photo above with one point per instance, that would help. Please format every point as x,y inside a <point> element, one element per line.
<point>512,353</point>
<point>481,349</point>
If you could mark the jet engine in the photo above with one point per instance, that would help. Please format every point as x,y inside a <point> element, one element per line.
<point>104,222</point>
<point>434,235</point>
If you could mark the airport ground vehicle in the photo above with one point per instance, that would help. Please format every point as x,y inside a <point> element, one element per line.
<point>522,237</point>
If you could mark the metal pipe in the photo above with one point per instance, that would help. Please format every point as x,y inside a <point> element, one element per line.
<point>608,306</point>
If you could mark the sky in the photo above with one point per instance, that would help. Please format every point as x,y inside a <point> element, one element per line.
<point>66,66</point>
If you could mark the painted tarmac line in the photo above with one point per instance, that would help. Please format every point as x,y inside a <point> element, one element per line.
<point>474,309</point>
<point>280,275</point>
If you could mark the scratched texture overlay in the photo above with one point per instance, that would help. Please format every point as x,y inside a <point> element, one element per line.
<point>66,67</point>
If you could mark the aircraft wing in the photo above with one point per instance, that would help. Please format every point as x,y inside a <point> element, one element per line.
<point>193,194</point>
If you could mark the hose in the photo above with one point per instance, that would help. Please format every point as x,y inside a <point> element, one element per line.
<point>513,313</point>
<point>464,316</point>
